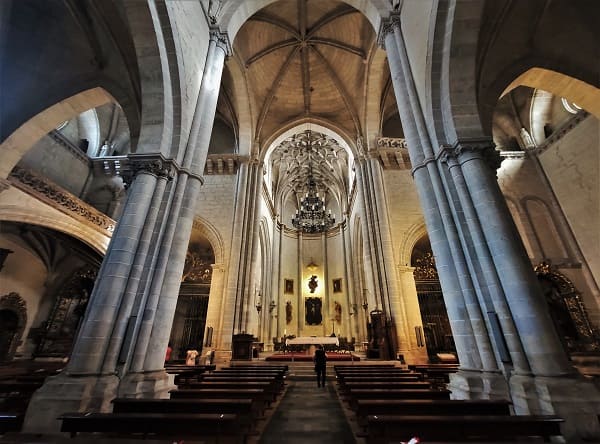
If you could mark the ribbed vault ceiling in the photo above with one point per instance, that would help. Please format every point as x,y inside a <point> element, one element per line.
<point>303,59</point>
<point>309,153</point>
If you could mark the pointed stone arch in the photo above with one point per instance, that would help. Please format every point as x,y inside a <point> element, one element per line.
<point>205,228</point>
<point>15,307</point>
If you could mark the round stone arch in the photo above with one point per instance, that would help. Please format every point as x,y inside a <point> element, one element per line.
<point>202,226</point>
<point>15,304</point>
<point>413,235</point>
<point>375,89</point>
<point>154,43</point>
<point>562,85</point>
<point>59,222</point>
<point>234,13</point>
<point>320,125</point>
<point>240,97</point>
<point>454,51</point>
<point>23,138</point>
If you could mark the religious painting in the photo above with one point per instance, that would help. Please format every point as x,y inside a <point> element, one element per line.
<point>337,285</point>
<point>313,307</point>
<point>288,286</point>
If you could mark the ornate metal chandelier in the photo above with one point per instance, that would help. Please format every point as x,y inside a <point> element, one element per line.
<point>312,217</point>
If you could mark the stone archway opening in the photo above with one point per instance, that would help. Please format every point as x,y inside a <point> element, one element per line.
<point>188,333</point>
<point>436,325</point>
<point>562,85</point>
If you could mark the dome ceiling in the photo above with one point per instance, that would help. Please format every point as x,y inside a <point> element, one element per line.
<point>305,59</point>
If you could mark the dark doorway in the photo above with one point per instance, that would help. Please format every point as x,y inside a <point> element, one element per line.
<point>9,320</point>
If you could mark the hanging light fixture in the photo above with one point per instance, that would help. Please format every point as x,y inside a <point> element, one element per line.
<point>312,216</point>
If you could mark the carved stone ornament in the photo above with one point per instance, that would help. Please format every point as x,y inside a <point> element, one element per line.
<point>425,269</point>
<point>11,339</point>
<point>157,166</point>
<point>479,148</point>
<point>197,269</point>
<point>222,40</point>
<point>45,190</point>
<point>578,333</point>
<point>12,301</point>
<point>388,26</point>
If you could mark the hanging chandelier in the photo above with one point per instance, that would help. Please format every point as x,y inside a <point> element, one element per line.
<point>312,217</point>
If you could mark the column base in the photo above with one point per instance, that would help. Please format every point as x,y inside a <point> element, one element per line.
<point>573,398</point>
<point>154,384</point>
<point>414,356</point>
<point>472,384</point>
<point>222,358</point>
<point>64,393</point>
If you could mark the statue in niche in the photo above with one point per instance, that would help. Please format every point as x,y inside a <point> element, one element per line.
<point>312,283</point>
<point>312,307</point>
<point>288,312</point>
<point>337,308</point>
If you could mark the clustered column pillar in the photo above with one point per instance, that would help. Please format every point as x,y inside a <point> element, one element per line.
<point>470,337</point>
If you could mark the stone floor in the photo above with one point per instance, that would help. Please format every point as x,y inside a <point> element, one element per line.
<point>308,414</point>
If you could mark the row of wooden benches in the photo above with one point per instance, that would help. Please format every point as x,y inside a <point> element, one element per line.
<point>225,405</point>
<point>393,404</point>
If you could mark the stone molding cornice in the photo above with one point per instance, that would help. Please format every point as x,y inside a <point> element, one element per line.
<point>388,26</point>
<point>4,185</point>
<point>393,153</point>
<point>222,40</point>
<point>464,150</point>
<point>560,132</point>
<point>217,164</point>
<point>129,166</point>
<point>513,154</point>
<point>59,138</point>
<point>154,164</point>
<point>60,199</point>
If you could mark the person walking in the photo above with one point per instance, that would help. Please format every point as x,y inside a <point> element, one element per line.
<point>320,359</point>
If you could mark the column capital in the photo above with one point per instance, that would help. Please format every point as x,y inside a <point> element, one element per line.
<point>155,164</point>
<point>222,40</point>
<point>388,26</point>
<point>464,150</point>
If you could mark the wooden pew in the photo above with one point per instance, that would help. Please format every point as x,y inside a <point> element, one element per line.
<point>283,367</point>
<point>213,393</point>
<point>276,383</point>
<point>158,424</point>
<point>461,428</point>
<point>436,372</point>
<point>10,422</point>
<point>366,407</point>
<point>387,385</point>
<point>379,378</point>
<point>270,391</point>
<point>248,410</point>
<point>355,395</point>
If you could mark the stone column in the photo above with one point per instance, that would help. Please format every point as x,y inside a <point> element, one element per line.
<point>395,296</point>
<point>508,342</point>
<point>88,382</point>
<point>527,305</point>
<point>470,337</point>
<point>410,305</point>
<point>348,284</point>
<point>216,304</point>
<point>157,318</point>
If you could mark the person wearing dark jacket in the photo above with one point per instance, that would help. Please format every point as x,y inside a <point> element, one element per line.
<point>320,359</point>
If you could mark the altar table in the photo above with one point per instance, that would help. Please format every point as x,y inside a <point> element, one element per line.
<point>304,340</point>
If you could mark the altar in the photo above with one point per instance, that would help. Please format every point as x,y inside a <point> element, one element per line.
<point>313,340</point>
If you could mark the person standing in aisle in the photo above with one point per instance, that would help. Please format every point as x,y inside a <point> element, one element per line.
<point>320,359</point>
